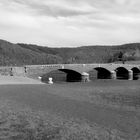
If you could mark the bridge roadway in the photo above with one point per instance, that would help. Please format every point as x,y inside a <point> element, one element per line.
<point>79,72</point>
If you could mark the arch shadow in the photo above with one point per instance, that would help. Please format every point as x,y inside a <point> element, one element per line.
<point>63,75</point>
<point>122,73</point>
<point>72,76</point>
<point>103,73</point>
<point>136,73</point>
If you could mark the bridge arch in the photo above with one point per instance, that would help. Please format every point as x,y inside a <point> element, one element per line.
<point>136,73</point>
<point>72,76</point>
<point>67,75</point>
<point>122,73</point>
<point>103,73</point>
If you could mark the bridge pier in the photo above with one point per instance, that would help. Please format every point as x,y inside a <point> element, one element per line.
<point>138,76</point>
<point>85,77</point>
<point>130,75</point>
<point>113,75</point>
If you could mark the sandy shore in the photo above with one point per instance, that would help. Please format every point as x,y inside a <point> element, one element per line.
<point>4,80</point>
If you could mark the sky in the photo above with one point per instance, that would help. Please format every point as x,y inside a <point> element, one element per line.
<point>70,23</point>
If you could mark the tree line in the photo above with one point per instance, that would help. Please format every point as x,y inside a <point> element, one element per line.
<point>29,54</point>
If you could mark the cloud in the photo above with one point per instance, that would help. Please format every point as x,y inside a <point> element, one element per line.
<point>70,22</point>
<point>49,8</point>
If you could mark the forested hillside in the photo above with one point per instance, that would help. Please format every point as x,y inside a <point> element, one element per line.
<point>92,54</point>
<point>14,54</point>
<point>27,54</point>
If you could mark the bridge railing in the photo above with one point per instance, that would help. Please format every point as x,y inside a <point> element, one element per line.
<point>83,65</point>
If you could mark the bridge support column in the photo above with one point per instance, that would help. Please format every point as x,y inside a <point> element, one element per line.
<point>113,75</point>
<point>85,77</point>
<point>130,75</point>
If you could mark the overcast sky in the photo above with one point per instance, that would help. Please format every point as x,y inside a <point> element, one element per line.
<point>70,22</point>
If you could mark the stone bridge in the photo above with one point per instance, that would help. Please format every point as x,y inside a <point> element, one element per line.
<point>79,72</point>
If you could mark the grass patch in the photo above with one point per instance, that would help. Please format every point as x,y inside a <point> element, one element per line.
<point>25,114</point>
<point>18,123</point>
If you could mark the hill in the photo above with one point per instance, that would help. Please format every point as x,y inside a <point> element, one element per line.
<point>29,54</point>
<point>14,54</point>
<point>92,54</point>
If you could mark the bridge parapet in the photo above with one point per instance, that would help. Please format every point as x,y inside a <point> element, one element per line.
<point>5,71</point>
